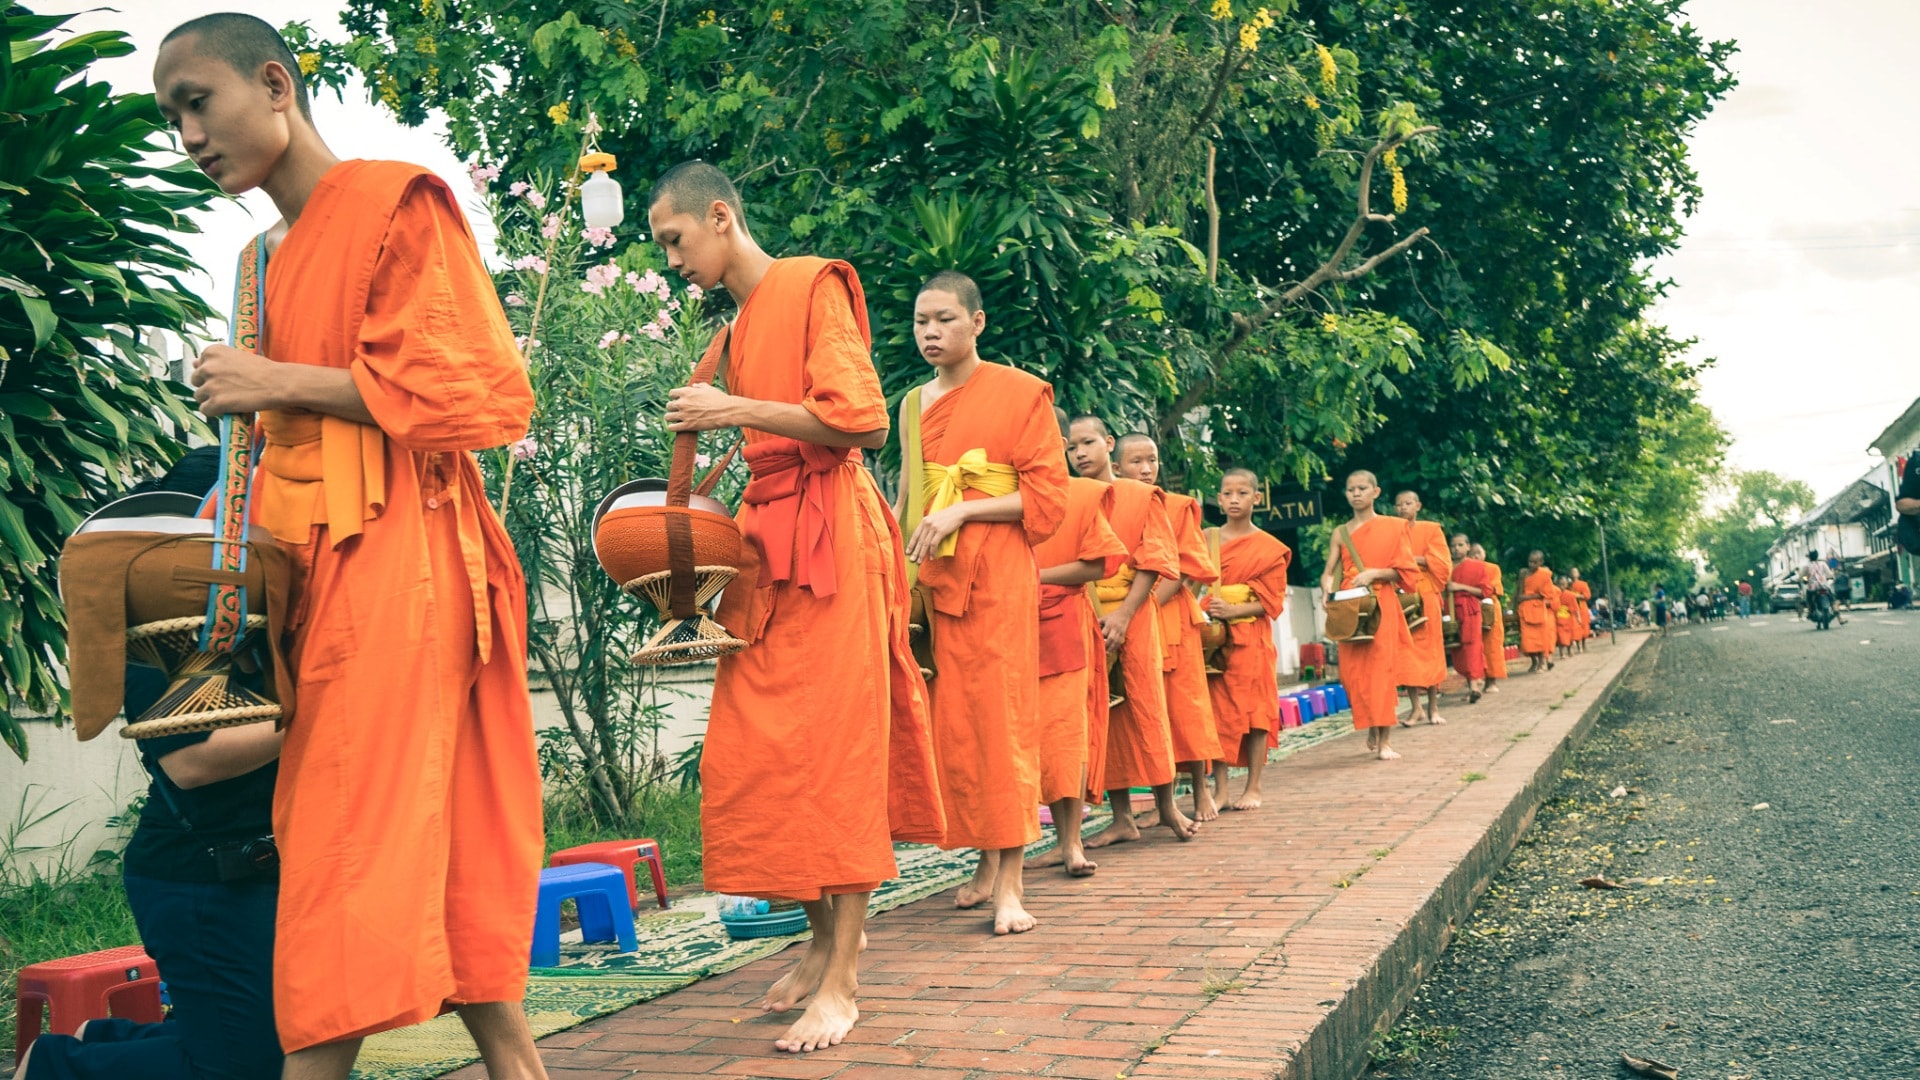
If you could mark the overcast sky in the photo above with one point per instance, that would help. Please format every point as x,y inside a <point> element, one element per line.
<point>1794,274</point>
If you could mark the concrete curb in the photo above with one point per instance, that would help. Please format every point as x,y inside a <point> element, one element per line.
<point>1348,969</point>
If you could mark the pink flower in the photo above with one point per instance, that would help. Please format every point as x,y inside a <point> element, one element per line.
<point>599,236</point>
<point>536,200</point>
<point>599,277</point>
<point>520,342</point>
<point>653,331</point>
<point>612,338</point>
<point>643,284</point>
<point>664,320</point>
<point>525,450</point>
<point>551,227</point>
<point>673,305</point>
<point>535,263</point>
<point>481,174</point>
<point>519,188</point>
<point>514,299</point>
<point>701,461</point>
<point>695,292</point>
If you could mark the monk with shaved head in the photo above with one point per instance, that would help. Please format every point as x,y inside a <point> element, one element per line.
<point>408,809</point>
<point>1372,552</point>
<point>818,752</point>
<point>1493,634</point>
<point>1251,593</point>
<point>1424,667</point>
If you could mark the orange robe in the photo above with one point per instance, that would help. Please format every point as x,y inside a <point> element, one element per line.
<point>1566,618</point>
<point>1583,613</point>
<point>1494,638</point>
<point>1369,670</point>
<point>1184,665</point>
<point>1425,664</point>
<point>408,811</point>
<point>1538,632</point>
<point>984,632</point>
<point>1246,693</point>
<point>1470,658</point>
<point>1073,654</point>
<point>1139,741</point>
<point>818,754</point>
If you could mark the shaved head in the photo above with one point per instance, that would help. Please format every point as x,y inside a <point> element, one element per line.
<point>964,289</point>
<point>1459,538</point>
<point>1241,474</point>
<point>1371,479</point>
<point>246,44</point>
<point>1089,418</point>
<point>1060,417</point>
<point>1132,439</point>
<point>692,186</point>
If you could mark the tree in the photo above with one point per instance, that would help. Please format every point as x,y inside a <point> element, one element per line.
<point>1760,506</point>
<point>87,262</point>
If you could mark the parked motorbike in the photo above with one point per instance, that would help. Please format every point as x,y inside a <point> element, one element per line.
<point>1820,609</point>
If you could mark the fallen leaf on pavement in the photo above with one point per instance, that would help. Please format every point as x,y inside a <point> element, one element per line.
<point>1597,882</point>
<point>1762,806</point>
<point>1619,792</point>
<point>1788,720</point>
<point>1650,1067</point>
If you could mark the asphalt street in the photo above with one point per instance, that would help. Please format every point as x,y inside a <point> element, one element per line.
<point>1755,787</point>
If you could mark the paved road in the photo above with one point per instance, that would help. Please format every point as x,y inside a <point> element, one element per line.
<point>1768,943</point>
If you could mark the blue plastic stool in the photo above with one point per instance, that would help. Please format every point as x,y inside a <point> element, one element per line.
<point>598,892</point>
<point>1337,698</point>
<point>1304,703</point>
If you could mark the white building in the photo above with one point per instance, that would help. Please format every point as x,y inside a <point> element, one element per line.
<point>1856,524</point>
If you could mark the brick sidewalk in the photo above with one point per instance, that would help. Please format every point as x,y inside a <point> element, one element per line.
<point>1272,945</point>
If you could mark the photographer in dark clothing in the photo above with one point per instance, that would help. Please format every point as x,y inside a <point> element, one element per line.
<point>202,879</point>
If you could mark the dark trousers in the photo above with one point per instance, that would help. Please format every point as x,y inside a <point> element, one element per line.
<point>213,945</point>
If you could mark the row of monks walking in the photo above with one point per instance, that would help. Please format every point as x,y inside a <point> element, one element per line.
<point>1062,599</point>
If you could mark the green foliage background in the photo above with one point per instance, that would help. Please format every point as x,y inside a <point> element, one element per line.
<point>89,259</point>
<point>1503,364</point>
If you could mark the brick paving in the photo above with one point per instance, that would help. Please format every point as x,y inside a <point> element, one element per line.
<point>1272,945</point>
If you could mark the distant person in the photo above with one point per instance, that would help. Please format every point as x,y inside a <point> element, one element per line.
<point>1746,599</point>
<point>1900,597</point>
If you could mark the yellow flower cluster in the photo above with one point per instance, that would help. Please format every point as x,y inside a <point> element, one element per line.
<point>1329,69</point>
<point>389,91</point>
<point>309,63</point>
<point>1391,159</point>
<point>1222,10</point>
<point>425,45</point>
<point>624,45</point>
<point>1250,31</point>
<point>1313,103</point>
<point>559,113</point>
<point>707,18</point>
<point>1330,323</point>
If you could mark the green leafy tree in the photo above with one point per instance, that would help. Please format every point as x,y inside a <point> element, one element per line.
<point>1760,507</point>
<point>88,261</point>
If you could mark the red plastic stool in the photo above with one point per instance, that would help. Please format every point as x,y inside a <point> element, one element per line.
<point>81,988</point>
<point>627,855</point>
<point>1313,654</point>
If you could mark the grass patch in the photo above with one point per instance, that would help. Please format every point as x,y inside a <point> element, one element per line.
<point>1407,1043</point>
<point>665,813</point>
<point>48,919</point>
<point>1472,776</point>
<point>1215,985</point>
<point>1380,852</point>
<point>1518,735</point>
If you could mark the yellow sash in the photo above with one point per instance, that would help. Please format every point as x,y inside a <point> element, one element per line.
<point>319,470</point>
<point>1110,591</point>
<point>941,486</point>
<point>1232,594</point>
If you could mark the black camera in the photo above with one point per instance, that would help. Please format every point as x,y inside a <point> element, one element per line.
<point>246,860</point>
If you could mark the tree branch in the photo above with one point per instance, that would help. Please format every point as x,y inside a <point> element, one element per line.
<point>1333,269</point>
<point>1213,223</point>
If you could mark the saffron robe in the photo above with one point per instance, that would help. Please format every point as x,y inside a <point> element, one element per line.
<point>1538,632</point>
<point>1073,654</point>
<point>985,632</point>
<point>1246,693</point>
<point>1139,741</point>
<point>408,811</point>
<point>1493,640</point>
<point>1566,618</point>
<point>818,753</point>
<point>1470,658</point>
<point>1583,610</point>
<point>1425,664</point>
<point>1369,670</point>
<point>1184,664</point>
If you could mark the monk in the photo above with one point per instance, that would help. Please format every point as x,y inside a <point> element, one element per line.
<point>1582,608</point>
<point>407,813</point>
<point>1139,741</point>
<point>818,752</point>
<point>1536,604</point>
<point>1251,593</point>
<point>1073,663</point>
<point>1425,665</point>
<point>981,440</point>
<point>1566,621</point>
<point>1369,670</point>
<point>1196,741</point>
<point>1493,639</point>
<point>1465,590</point>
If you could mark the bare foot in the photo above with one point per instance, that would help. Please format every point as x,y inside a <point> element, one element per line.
<point>1078,865</point>
<point>825,1023</point>
<point>1183,827</point>
<point>800,983</point>
<point>1247,801</point>
<point>1204,808</point>
<point>1436,718</point>
<point>1056,857</point>
<point>1389,755</point>
<point>1492,689</point>
<point>1122,831</point>
<point>1010,917</point>
<point>979,890</point>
